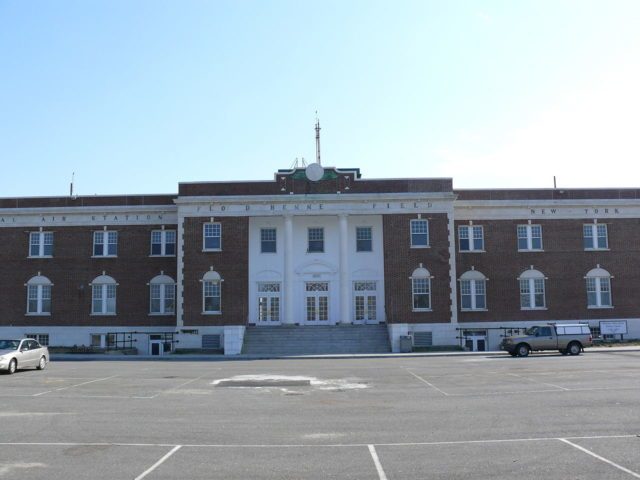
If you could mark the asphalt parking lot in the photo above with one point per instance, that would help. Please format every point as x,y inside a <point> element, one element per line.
<point>545,416</point>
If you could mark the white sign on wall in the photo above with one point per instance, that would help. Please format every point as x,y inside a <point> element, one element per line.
<point>618,327</point>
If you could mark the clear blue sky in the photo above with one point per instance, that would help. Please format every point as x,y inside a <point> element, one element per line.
<point>134,96</point>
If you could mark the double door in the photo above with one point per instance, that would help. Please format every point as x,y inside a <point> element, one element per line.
<point>316,302</point>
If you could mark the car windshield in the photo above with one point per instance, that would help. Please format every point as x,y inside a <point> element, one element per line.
<point>9,344</point>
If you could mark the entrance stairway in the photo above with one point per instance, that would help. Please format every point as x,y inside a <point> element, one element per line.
<point>316,339</point>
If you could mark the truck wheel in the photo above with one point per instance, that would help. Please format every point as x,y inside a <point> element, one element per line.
<point>574,348</point>
<point>522,350</point>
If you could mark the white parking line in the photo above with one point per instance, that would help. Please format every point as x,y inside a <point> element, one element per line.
<point>73,386</point>
<point>427,383</point>
<point>602,459</point>
<point>179,386</point>
<point>376,461</point>
<point>158,463</point>
<point>538,382</point>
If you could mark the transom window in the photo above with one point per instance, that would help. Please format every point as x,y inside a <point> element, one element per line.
<point>268,302</point>
<point>315,236</point>
<point>532,293</point>
<point>163,243</point>
<point>212,236</point>
<point>39,296</point>
<point>529,237</point>
<point>471,238</point>
<point>421,289</point>
<point>41,244</point>
<point>473,291</point>
<point>105,243</point>
<point>363,239</point>
<point>162,294</point>
<point>598,288</point>
<point>103,290</point>
<point>595,236</point>
<point>268,240</point>
<point>419,233</point>
<point>211,295</point>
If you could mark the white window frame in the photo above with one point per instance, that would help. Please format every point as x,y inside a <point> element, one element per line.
<point>163,243</point>
<point>269,241</point>
<point>107,236</point>
<point>39,290</point>
<point>211,288</point>
<point>598,281</point>
<point>532,284</point>
<point>309,239</point>
<point>214,226</point>
<point>470,232</point>
<point>416,231</point>
<point>40,237</point>
<point>529,231</point>
<point>104,289</point>
<point>593,230</point>
<point>269,291</point>
<point>166,289</point>
<point>367,289</point>
<point>362,229</point>
<point>477,283</point>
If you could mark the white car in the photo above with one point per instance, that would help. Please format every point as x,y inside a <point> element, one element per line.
<point>23,353</point>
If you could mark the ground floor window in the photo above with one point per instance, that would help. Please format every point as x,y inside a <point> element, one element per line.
<point>41,338</point>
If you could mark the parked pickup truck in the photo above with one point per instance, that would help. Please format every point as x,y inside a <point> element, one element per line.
<point>567,339</point>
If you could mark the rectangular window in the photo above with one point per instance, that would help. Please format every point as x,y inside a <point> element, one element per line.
<point>316,240</point>
<point>41,338</point>
<point>473,295</point>
<point>421,293</point>
<point>529,237</point>
<point>41,244</point>
<point>212,236</point>
<point>471,238</point>
<point>39,299</point>
<point>419,233</point>
<point>163,243</point>
<point>268,240</point>
<point>595,236</point>
<point>163,297</point>
<point>103,299</point>
<point>105,244</point>
<point>599,292</point>
<point>363,239</point>
<point>211,293</point>
<point>532,293</point>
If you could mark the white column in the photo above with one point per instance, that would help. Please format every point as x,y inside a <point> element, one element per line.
<point>345,287</point>
<point>288,317</point>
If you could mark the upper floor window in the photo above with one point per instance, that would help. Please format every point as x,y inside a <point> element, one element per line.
<point>103,295</point>
<point>532,293</point>
<point>163,243</point>
<point>212,236</point>
<point>162,294</point>
<point>473,291</point>
<point>105,243</point>
<point>39,295</point>
<point>419,233</point>
<point>421,289</point>
<point>363,239</point>
<point>41,244</point>
<point>211,295</point>
<point>316,239</point>
<point>595,236</point>
<point>268,240</point>
<point>529,237</point>
<point>598,288</point>
<point>471,238</point>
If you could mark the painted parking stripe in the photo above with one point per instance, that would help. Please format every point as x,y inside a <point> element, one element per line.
<point>427,383</point>
<point>602,459</point>
<point>158,463</point>
<point>538,382</point>
<point>73,386</point>
<point>376,461</point>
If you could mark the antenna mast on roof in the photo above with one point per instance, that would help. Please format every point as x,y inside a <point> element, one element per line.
<point>73,174</point>
<point>318,140</point>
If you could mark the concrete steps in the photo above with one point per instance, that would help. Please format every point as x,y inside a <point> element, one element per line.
<point>316,339</point>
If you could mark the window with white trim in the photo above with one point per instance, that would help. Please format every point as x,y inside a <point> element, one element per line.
<point>212,236</point>
<point>315,237</point>
<point>103,295</point>
<point>211,294</point>
<point>529,237</point>
<point>364,242</point>
<point>532,290</point>
<point>162,294</point>
<point>419,232</point>
<point>105,243</point>
<point>163,243</point>
<point>39,296</point>
<point>41,338</point>
<point>41,244</point>
<point>473,291</point>
<point>471,238</point>
<point>595,236</point>
<point>421,289</point>
<point>365,299</point>
<point>268,237</point>
<point>598,288</point>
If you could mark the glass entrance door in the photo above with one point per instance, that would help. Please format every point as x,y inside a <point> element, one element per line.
<point>365,302</point>
<point>317,302</point>
<point>268,303</point>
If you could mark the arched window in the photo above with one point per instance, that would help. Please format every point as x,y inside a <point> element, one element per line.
<point>39,295</point>
<point>599,288</point>
<point>532,293</point>
<point>103,295</point>
<point>162,294</point>
<point>211,297</point>
<point>421,289</point>
<point>473,291</point>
